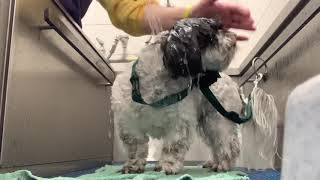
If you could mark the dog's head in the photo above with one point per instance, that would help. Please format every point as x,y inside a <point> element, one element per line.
<point>195,46</point>
<point>217,57</point>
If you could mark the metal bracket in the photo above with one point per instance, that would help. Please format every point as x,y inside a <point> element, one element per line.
<point>261,76</point>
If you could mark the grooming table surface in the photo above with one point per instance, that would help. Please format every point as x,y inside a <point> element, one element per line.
<point>253,174</point>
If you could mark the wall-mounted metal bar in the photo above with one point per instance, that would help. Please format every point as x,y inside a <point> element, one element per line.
<point>120,61</point>
<point>63,24</point>
<point>9,14</point>
<point>292,35</point>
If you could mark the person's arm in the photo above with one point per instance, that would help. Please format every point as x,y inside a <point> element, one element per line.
<point>162,18</point>
<point>232,15</point>
<point>128,15</point>
<point>135,17</point>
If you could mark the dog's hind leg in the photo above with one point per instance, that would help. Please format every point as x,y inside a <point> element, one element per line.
<point>219,133</point>
<point>137,149</point>
<point>207,134</point>
<point>221,136</point>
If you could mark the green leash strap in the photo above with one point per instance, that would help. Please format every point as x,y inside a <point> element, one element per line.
<point>233,116</point>
<point>174,98</point>
<point>166,101</point>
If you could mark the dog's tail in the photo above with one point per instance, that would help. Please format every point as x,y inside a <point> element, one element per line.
<point>259,136</point>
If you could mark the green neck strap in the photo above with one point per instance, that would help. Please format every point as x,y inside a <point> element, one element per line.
<point>174,98</point>
<point>233,116</point>
<point>166,101</point>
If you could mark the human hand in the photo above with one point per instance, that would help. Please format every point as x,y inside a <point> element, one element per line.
<point>230,14</point>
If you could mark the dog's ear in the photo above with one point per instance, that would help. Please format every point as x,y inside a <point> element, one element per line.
<point>174,56</point>
<point>163,41</point>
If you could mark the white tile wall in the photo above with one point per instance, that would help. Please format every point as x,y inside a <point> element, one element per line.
<point>264,12</point>
<point>96,15</point>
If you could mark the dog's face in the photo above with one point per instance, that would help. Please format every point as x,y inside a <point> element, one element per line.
<point>217,57</point>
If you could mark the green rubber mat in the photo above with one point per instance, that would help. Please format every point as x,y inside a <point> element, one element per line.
<point>111,173</point>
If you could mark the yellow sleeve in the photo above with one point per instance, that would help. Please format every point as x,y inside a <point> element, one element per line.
<point>127,14</point>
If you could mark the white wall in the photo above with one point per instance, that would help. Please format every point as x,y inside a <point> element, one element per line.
<point>97,24</point>
<point>264,12</point>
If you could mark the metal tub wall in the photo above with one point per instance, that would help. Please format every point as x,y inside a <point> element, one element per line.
<point>3,28</point>
<point>294,64</point>
<point>55,109</point>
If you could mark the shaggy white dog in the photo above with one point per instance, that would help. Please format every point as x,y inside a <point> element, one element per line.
<point>177,123</point>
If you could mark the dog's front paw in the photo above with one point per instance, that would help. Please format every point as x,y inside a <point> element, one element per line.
<point>169,167</point>
<point>217,167</point>
<point>221,167</point>
<point>158,167</point>
<point>208,164</point>
<point>134,166</point>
